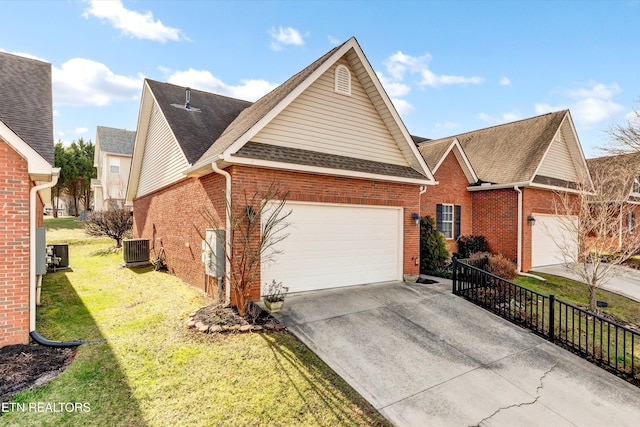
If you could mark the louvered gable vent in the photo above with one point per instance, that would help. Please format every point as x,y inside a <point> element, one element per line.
<point>343,80</point>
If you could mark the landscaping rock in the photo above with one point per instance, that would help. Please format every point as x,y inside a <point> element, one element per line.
<point>257,328</point>
<point>245,328</point>
<point>215,328</point>
<point>191,323</point>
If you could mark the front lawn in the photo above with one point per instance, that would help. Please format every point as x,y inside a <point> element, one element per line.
<point>623,309</point>
<point>151,370</point>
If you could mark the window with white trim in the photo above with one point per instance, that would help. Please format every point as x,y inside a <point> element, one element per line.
<point>343,80</point>
<point>631,222</point>
<point>447,221</point>
<point>636,185</point>
<point>114,165</point>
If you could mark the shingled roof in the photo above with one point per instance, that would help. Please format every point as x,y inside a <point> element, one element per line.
<point>195,129</point>
<point>502,154</point>
<point>116,141</point>
<point>26,101</point>
<point>615,173</point>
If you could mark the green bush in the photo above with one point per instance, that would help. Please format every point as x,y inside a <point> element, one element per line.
<point>468,245</point>
<point>433,247</point>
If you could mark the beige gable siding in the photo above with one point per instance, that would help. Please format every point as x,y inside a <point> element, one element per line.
<point>558,163</point>
<point>324,121</point>
<point>163,161</point>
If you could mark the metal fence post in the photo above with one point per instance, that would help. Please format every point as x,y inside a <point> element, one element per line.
<point>552,317</point>
<point>454,266</point>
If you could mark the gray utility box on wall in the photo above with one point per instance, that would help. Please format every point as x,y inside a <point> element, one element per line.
<point>213,253</point>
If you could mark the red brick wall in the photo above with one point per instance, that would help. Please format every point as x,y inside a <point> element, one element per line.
<point>495,215</point>
<point>14,247</point>
<point>452,189</point>
<point>176,213</point>
<point>175,209</point>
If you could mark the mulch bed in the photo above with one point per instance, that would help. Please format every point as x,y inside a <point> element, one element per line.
<point>225,319</point>
<point>24,366</point>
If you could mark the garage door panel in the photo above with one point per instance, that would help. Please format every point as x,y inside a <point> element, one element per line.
<point>337,245</point>
<point>550,235</point>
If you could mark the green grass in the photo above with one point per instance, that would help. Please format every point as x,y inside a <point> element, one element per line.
<point>153,371</point>
<point>622,308</point>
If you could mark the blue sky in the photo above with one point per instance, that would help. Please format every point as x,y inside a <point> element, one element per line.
<point>449,66</point>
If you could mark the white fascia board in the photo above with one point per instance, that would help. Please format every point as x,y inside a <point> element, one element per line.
<point>582,161</point>
<point>559,189</point>
<point>325,171</point>
<point>39,169</point>
<point>144,114</point>
<point>462,160</point>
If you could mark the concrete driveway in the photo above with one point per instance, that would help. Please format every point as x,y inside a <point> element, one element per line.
<point>625,281</point>
<point>423,356</point>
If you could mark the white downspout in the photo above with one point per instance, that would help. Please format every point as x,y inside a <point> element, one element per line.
<point>227,225</point>
<point>519,256</point>
<point>55,173</point>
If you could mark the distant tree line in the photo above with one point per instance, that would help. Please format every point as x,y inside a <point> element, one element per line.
<point>76,171</point>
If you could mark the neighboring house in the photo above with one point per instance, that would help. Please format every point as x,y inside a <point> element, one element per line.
<point>330,135</point>
<point>499,182</point>
<point>112,160</point>
<point>619,176</point>
<point>26,176</point>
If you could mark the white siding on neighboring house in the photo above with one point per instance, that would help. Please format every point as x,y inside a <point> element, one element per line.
<point>163,161</point>
<point>116,183</point>
<point>325,121</point>
<point>558,162</point>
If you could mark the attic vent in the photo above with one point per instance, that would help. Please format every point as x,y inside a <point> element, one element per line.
<point>343,80</point>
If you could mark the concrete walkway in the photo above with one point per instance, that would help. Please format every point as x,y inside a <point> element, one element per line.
<point>423,356</point>
<point>625,280</point>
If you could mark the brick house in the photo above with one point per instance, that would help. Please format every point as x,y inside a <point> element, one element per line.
<point>329,135</point>
<point>26,175</point>
<point>112,160</point>
<point>620,177</point>
<point>500,182</point>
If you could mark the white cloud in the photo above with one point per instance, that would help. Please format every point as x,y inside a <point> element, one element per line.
<point>82,81</point>
<point>333,40</point>
<point>285,36</point>
<point>505,81</point>
<point>393,88</point>
<point>589,105</point>
<point>132,23</point>
<point>399,64</point>
<point>249,90</point>
<point>81,130</point>
<point>403,107</point>
<point>502,118</point>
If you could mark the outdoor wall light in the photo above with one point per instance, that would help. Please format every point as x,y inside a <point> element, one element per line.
<point>416,218</point>
<point>531,220</point>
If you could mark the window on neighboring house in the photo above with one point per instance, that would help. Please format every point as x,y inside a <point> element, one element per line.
<point>448,220</point>
<point>631,222</point>
<point>114,165</point>
<point>636,185</point>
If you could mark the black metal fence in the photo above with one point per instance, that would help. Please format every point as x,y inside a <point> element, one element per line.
<point>595,338</point>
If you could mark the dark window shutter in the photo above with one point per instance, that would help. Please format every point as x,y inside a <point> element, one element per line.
<point>458,214</point>
<point>439,217</point>
<point>633,222</point>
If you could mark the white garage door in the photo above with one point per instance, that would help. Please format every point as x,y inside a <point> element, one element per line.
<point>337,245</point>
<point>551,235</point>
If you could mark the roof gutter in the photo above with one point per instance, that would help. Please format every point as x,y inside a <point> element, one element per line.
<point>227,225</point>
<point>55,174</point>
<point>483,187</point>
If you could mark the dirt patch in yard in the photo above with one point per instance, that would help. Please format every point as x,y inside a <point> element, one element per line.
<point>24,366</point>
<point>224,319</point>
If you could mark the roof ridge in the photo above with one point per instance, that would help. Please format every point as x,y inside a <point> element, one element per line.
<point>499,125</point>
<point>197,90</point>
